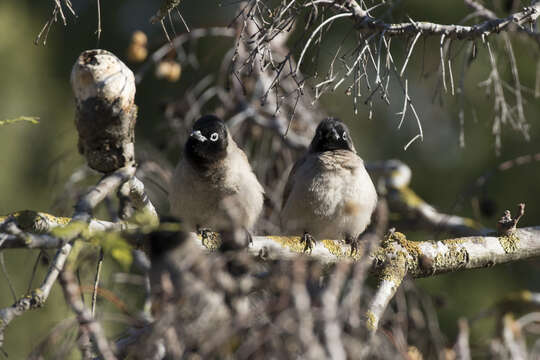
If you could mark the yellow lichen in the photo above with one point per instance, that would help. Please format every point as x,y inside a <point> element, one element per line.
<point>291,242</point>
<point>341,252</point>
<point>211,241</point>
<point>395,270</point>
<point>455,257</point>
<point>408,249</point>
<point>33,221</point>
<point>371,321</point>
<point>332,247</point>
<point>510,242</point>
<point>59,220</point>
<point>36,298</point>
<point>411,246</point>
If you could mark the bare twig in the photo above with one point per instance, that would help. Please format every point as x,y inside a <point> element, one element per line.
<point>98,31</point>
<point>84,315</point>
<point>57,11</point>
<point>462,348</point>
<point>96,282</point>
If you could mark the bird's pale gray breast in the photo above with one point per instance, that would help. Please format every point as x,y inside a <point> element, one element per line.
<point>227,194</point>
<point>330,195</point>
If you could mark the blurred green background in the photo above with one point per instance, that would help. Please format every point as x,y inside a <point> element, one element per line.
<point>36,160</point>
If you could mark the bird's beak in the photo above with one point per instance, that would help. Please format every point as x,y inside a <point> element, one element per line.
<point>198,136</point>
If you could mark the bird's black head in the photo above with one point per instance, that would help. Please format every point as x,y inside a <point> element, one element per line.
<point>207,142</point>
<point>331,134</point>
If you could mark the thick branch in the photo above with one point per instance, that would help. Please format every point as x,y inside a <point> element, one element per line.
<point>424,258</point>
<point>427,258</point>
<point>367,23</point>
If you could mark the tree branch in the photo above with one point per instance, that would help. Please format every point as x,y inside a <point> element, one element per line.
<point>84,315</point>
<point>367,23</point>
<point>37,297</point>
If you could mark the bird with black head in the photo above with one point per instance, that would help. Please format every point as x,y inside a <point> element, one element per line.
<point>329,194</point>
<point>213,185</point>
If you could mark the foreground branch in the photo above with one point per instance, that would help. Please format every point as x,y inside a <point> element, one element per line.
<point>423,258</point>
<point>396,257</point>
<point>84,315</point>
<point>37,297</point>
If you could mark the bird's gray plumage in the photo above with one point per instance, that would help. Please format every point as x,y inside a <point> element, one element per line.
<point>222,194</point>
<point>329,193</point>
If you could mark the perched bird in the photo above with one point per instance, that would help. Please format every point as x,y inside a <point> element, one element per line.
<point>213,185</point>
<point>329,194</point>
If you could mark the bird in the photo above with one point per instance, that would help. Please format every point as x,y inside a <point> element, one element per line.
<point>328,194</point>
<point>213,185</point>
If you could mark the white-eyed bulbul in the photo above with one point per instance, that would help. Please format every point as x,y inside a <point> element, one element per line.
<point>213,185</point>
<point>329,194</point>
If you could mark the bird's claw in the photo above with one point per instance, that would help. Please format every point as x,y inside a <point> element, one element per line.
<point>205,235</point>
<point>309,242</point>
<point>249,237</point>
<point>353,241</point>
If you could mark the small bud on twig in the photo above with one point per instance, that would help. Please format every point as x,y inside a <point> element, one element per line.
<point>507,225</point>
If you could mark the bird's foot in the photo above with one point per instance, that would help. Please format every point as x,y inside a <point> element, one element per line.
<point>249,237</point>
<point>206,234</point>
<point>353,241</point>
<point>309,242</point>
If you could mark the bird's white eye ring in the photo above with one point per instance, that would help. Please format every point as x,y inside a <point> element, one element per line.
<point>344,135</point>
<point>214,136</point>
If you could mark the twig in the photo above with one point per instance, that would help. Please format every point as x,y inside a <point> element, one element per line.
<point>462,347</point>
<point>443,74</point>
<point>313,34</point>
<point>6,275</point>
<point>405,103</point>
<point>96,282</point>
<point>98,32</point>
<point>417,136</point>
<point>84,316</point>
<point>107,185</point>
<point>411,48</point>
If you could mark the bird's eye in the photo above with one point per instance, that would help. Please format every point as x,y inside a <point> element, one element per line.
<point>214,136</point>
<point>344,135</point>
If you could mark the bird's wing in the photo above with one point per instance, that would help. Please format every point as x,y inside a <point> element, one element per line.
<point>245,166</point>
<point>291,180</point>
